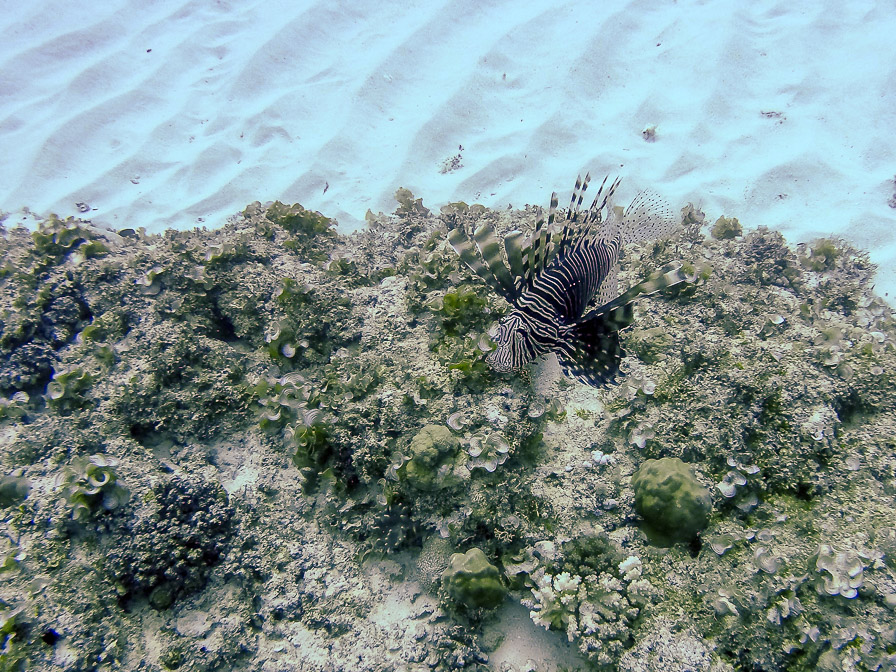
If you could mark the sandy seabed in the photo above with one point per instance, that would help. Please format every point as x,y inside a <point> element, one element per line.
<point>175,113</point>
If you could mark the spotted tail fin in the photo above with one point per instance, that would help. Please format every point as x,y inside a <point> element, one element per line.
<point>649,217</point>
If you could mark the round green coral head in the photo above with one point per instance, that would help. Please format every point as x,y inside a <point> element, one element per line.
<point>433,464</point>
<point>674,505</point>
<point>473,581</point>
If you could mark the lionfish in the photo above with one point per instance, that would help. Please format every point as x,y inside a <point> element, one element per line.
<point>561,281</point>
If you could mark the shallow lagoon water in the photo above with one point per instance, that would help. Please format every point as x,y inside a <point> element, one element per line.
<point>180,113</point>
<point>208,436</point>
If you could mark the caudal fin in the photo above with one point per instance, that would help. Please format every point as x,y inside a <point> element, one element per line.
<point>648,218</point>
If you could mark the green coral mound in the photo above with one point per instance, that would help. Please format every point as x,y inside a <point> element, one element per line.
<point>674,505</point>
<point>433,464</point>
<point>471,580</point>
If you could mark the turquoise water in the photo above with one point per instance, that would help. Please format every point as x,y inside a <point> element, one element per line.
<point>278,441</point>
<point>180,114</point>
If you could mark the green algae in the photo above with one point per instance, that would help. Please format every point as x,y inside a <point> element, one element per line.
<point>726,228</point>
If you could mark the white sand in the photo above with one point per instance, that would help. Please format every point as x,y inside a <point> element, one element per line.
<point>171,113</point>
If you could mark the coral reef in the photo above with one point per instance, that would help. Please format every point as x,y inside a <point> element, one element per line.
<point>324,474</point>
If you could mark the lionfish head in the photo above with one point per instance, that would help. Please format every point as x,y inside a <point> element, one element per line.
<point>516,344</point>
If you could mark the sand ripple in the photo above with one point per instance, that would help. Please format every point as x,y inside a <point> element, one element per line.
<point>171,113</point>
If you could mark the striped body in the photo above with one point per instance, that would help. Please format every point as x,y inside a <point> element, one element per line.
<point>552,278</point>
<point>557,299</point>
